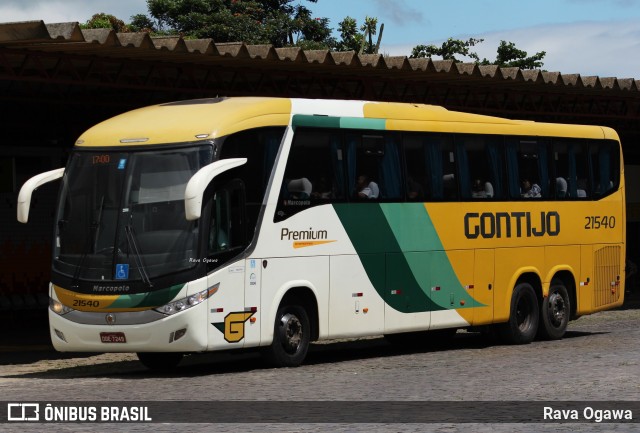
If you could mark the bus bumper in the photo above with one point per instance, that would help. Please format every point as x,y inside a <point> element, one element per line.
<point>182,332</point>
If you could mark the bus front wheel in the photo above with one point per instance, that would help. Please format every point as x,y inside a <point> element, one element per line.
<point>555,312</point>
<point>524,316</point>
<point>160,361</point>
<point>291,336</point>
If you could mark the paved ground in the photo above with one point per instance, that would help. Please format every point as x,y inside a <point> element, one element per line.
<point>599,360</point>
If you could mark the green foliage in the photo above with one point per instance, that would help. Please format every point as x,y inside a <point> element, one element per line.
<point>279,23</point>
<point>507,53</point>
<point>351,38</point>
<point>142,23</point>
<point>354,40</point>
<point>510,56</point>
<point>276,22</point>
<point>448,50</point>
<point>105,21</point>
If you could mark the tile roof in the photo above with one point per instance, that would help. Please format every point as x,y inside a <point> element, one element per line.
<point>70,38</point>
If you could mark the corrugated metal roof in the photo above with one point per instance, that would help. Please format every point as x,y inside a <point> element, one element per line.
<point>70,38</point>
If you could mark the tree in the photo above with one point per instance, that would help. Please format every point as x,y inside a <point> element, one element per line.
<point>351,38</point>
<point>448,49</point>
<point>510,56</point>
<point>276,22</point>
<point>105,21</point>
<point>507,53</point>
<point>142,23</point>
<point>359,41</point>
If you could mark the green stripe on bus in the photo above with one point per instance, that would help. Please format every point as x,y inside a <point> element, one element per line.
<point>315,121</point>
<point>362,123</point>
<point>148,299</point>
<point>403,256</point>
<point>418,239</point>
<point>380,254</point>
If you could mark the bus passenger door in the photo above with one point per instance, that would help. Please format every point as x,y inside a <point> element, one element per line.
<point>483,276</point>
<point>226,239</point>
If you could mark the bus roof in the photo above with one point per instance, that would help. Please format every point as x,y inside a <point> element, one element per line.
<point>187,121</point>
<point>199,119</point>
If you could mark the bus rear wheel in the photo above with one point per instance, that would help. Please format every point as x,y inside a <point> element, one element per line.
<point>523,318</point>
<point>555,312</point>
<point>291,337</point>
<point>160,361</point>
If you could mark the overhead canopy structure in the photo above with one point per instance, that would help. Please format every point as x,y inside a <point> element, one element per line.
<point>70,78</point>
<point>57,80</point>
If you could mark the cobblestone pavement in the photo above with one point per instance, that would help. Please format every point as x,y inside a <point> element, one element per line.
<point>598,360</point>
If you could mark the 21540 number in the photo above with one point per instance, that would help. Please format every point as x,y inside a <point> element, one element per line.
<point>85,303</point>
<point>600,222</point>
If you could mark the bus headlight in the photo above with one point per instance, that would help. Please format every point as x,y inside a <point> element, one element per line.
<point>186,303</point>
<point>58,307</point>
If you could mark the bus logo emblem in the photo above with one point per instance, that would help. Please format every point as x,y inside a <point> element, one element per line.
<point>233,325</point>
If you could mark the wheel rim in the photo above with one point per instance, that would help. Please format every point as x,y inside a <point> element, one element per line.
<point>291,333</point>
<point>523,313</point>
<point>556,311</point>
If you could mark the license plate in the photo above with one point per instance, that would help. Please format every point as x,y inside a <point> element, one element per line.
<point>113,337</point>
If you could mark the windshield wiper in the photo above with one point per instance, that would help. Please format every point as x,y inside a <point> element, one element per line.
<point>95,225</point>
<point>76,273</point>
<point>133,245</point>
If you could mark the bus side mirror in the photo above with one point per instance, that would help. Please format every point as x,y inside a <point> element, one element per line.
<point>198,183</point>
<point>24,197</point>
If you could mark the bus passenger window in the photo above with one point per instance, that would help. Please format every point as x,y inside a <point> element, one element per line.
<point>430,162</point>
<point>527,167</point>
<point>314,172</point>
<point>415,163</point>
<point>480,164</point>
<point>570,168</point>
<point>373,166</point>
<point>605,166</point>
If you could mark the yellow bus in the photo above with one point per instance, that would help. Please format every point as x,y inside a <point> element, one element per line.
<point>231,223</point>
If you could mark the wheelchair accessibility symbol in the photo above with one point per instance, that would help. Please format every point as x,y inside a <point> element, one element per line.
<point>122,271</point>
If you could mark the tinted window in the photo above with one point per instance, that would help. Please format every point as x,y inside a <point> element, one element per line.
<point>527,167</point>
<point>314,174</point>
<point>604,161</point>
<point>571,169</point>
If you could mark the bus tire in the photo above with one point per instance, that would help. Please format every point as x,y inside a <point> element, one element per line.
<point>524,316</point>
<point>555,311</point>
<point>291,337</point>
<point>160,361</point>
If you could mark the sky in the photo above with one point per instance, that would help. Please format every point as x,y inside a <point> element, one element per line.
<point>587,37</point>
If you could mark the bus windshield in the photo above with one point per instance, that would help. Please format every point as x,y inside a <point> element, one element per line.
<point>121,214</point>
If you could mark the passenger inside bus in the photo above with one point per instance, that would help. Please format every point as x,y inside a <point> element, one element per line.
<point>530,190</point>
<point>481,189</point>
<point>366,189</point>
